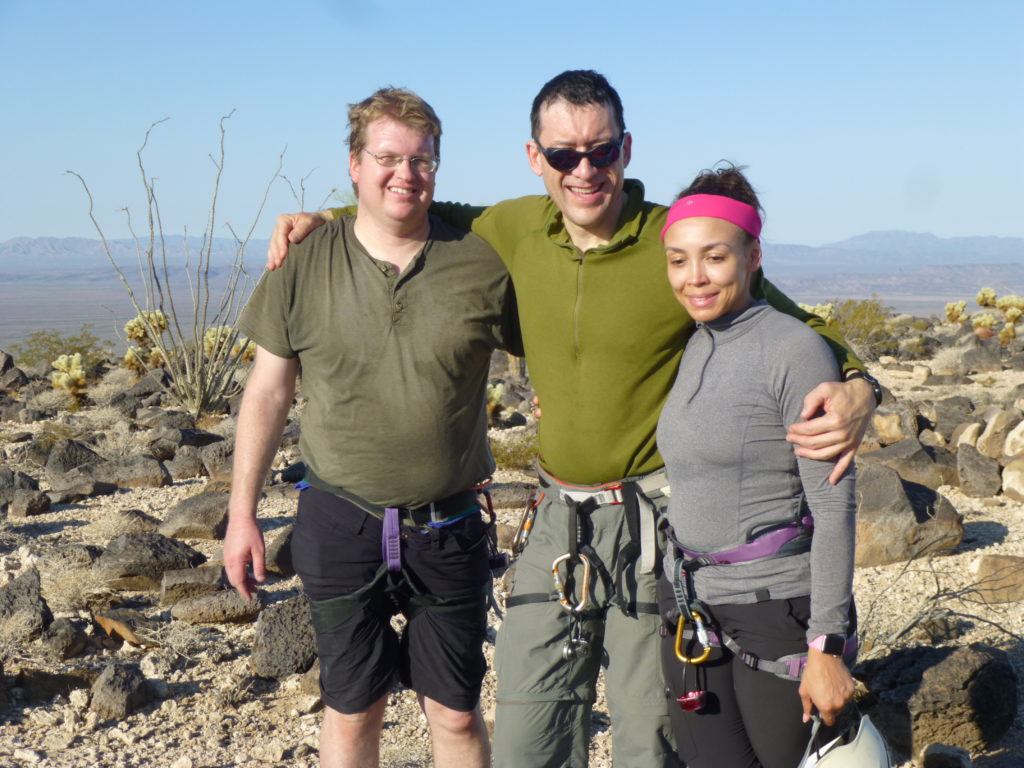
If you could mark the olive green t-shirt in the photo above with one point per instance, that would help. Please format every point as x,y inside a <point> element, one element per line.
<point>394,367</point>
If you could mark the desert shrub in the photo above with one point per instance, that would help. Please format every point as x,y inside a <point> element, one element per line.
<point>956,312</point>
<point>865,323</point>
<point>47,345</point>
<point>57,399</point>
<point>113,382</point>
<point>986,297</point>
<point>514,448</point>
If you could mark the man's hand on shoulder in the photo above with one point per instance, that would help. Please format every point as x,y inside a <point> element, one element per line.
<point>847,409</point>
<point>292,228</point>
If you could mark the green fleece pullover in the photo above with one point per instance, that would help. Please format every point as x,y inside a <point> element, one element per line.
<point>602,330</point>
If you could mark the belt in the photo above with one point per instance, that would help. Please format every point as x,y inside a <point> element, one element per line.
<point>435,513</point>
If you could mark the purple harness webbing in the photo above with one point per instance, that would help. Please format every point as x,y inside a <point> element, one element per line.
<point>763,546</point>
<point>391,540</point>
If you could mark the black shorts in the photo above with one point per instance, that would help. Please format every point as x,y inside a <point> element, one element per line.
<point>442,591</point>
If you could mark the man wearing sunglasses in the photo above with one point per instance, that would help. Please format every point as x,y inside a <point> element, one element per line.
<point>603,336</point>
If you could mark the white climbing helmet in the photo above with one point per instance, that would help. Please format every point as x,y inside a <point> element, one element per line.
<point>860,746</point>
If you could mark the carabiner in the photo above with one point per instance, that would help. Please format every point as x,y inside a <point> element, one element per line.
<point>563,599</point>
<point>702,637</point>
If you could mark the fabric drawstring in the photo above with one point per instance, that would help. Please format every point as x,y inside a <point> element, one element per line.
<point>704,365</point>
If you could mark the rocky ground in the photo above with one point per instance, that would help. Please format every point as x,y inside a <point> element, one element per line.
<point>211,712</point>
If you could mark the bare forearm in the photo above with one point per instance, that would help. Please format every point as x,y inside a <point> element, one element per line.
<point>260,423</point>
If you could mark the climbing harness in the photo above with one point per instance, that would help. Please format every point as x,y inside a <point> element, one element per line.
<point>782,539</point>
<point>333,612</point>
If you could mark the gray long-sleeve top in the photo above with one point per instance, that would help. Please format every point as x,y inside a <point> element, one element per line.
<point>723,436</point>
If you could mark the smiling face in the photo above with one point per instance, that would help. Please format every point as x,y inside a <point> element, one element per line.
<point>589,198</point>
<point>710,266</point>
<point>395,198</point>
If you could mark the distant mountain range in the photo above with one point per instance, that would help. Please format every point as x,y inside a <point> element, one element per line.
<point>887,263</point>
<point>79,258</point>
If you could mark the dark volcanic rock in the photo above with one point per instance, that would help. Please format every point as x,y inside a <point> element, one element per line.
<point>898,520</point>
<point>119,691</point>
<point>203,516</point>
<point>24,613</point>
<point>968,700</point>
<point>285,642</point>
<point>138,560</point>
<point>65,455</point>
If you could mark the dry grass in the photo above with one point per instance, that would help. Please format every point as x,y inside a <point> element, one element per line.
<point>59,399</point>
<point>949,360</point>
<point>119,441</point>
<point>115,381</point>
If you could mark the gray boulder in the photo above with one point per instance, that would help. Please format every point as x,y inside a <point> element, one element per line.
<point>179,585</point>
<point>86,489</point>
<point>138,560</point>
<point>912,462</point>
<point>899,520</point>
<point>25,504</point>
<point>133,472</point>
<point>226,606</point>
<point>285,641</point>
<point>12,480</point>
<point>119,691</point>
<point>203,516</point>
<point>186,463</point>
<point>24,614</point>
<point>979,475</point>
<point>65,455</point>
<point>278,553</point>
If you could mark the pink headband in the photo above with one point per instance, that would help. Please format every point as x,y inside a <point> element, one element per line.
<point>716,207</point>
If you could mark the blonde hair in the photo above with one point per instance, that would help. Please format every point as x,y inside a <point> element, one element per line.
<point>398,104</point>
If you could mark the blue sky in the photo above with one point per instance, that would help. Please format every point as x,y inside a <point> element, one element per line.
<point>852,116</point>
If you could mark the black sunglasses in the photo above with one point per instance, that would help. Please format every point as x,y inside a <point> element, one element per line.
<point>564,160</point>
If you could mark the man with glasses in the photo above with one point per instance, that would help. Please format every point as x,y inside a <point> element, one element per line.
<point>392,315</point>
<point>603,335</point>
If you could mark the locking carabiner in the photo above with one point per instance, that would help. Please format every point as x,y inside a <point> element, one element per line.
<point>702,638</point>
<point>563,599</point>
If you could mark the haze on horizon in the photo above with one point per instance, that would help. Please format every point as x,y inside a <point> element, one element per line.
<point>851,117</point>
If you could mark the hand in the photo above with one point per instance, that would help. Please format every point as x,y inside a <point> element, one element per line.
<point>243,544</point>
<point>535,402</point>
<point>847,409</point>
<point>825,685</point>
<point>292,228</point>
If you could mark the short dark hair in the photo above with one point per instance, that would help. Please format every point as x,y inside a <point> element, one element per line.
<point>579,87</point>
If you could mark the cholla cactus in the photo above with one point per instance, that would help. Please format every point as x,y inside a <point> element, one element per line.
<point>138,329</point>
<point>956,312</point>
<point>986,297</point>
<point>1008,334</point>
<point>1012,315</point>
<point>1009,302</point>
<point>826,312</point>
<point>215,338</point>
<point>69,375</point>
<point>138,361</point>
<point>244,350</point>
<point>984,321</point>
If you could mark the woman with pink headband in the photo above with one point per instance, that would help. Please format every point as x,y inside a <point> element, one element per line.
<point>757,593</point>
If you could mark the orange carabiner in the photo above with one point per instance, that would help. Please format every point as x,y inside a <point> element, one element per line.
<point>702,636</point>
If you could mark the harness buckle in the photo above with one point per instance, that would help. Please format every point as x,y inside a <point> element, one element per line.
<point>564,599</point>
<point>702,638</point>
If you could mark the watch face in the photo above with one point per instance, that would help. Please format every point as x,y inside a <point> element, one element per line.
<point>834,645</point>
